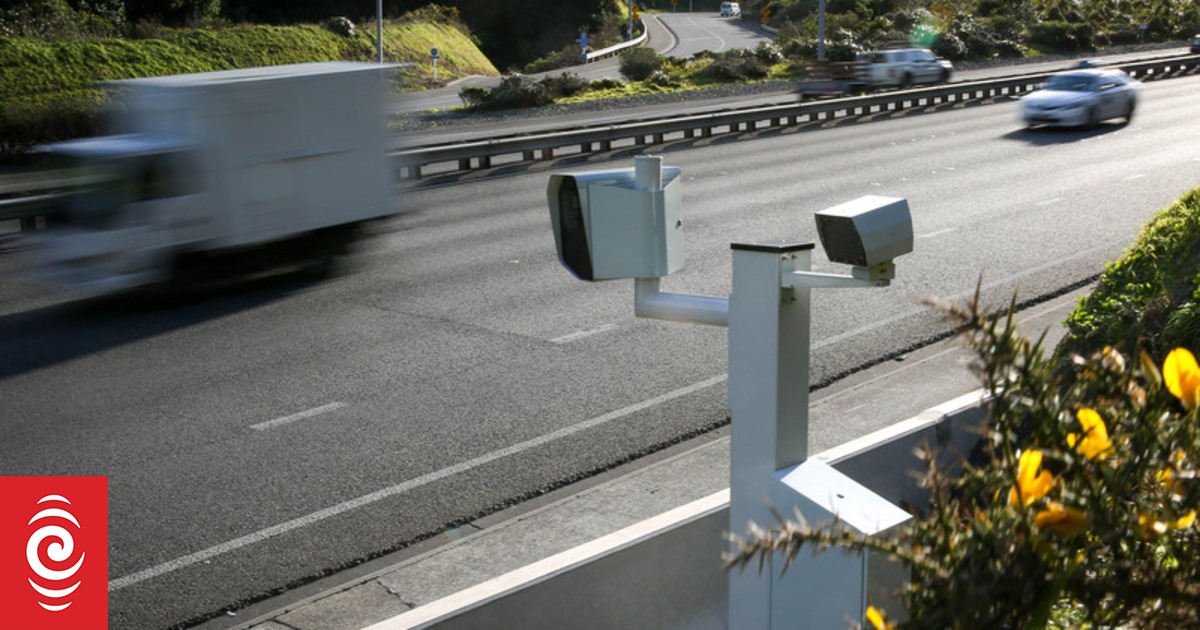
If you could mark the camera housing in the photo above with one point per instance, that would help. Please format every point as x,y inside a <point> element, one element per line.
<point>868,233</point>
<point>621,223</point>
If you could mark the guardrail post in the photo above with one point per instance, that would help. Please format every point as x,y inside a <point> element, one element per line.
<point>708,125</point>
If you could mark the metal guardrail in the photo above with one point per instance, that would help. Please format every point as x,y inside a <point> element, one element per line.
<point>417,162</point>
<point>604,53</point>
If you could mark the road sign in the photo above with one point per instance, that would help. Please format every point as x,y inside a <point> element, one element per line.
<point>433,53</point>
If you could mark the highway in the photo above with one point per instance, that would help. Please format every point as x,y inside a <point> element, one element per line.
<point>264,435</point>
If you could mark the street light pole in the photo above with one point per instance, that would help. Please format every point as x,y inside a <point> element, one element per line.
<point>379,30</point>
<point>821,30</point>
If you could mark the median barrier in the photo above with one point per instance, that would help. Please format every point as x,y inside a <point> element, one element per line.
<point>417,162</point>
<point>665,572</point>
<point>414,163</point>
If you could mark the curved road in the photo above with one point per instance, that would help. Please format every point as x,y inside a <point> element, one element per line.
<point>677,34</point>
<point>279,431</point>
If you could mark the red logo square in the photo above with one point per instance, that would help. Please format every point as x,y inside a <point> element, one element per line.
<point>54,553</point>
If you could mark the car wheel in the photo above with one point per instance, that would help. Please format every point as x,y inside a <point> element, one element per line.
<point>945,76</point>
<point>1129,107</point>
<point>906,81</point>
<point>1093,118</point>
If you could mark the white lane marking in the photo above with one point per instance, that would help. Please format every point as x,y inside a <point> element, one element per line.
<point>936,233</point>
<point>263,534</point>
<point>1048,201</point>
<point>583,333</point>
<point>271,424</point>
<point>367,499</point>
<point>1134,177</point>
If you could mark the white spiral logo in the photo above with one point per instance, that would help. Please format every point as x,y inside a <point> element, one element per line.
<point>59,550</point>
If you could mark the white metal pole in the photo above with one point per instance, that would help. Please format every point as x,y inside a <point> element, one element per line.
<point>768,399</point>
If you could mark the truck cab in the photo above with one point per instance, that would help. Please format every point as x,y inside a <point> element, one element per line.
<point>127,203</point>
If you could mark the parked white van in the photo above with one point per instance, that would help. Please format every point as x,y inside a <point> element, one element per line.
<point>731,9</point>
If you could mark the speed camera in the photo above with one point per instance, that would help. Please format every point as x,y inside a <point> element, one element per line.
<point>868,233</point>
<point>618,223</point>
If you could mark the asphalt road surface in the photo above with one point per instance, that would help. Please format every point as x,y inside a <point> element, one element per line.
<point>267,434</point>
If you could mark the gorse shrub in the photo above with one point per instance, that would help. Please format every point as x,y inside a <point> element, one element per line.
<point>1078,510</point>
<point>733,65</point>
<point>637,64</point>
<point>1148,297</point>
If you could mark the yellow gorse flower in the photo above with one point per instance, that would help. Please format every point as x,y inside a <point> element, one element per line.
<point>877,620</point>
<point>1153,526</point>
<point>1031,485</point>
<point>1060,519</point>
<point>1168,477</point>
<point>1182,376</point>
<point>1095,440</point>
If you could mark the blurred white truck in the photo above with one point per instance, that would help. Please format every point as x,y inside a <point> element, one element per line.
<point>243,168</point>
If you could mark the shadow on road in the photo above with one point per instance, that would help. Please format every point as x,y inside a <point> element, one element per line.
<point>48,336</point>
<point>1045,136</point>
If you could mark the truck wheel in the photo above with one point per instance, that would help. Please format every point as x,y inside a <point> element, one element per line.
<point>184,277</point>
<point>328,246</point>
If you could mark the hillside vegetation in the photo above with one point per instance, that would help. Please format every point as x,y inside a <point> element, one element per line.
<point>48,86</point>
<point>1150,297</point>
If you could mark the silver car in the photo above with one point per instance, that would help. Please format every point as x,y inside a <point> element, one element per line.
<point>1081,98</point>
<point>905,67</point>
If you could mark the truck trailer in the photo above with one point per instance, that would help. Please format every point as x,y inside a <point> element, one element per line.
<point>257,166</point>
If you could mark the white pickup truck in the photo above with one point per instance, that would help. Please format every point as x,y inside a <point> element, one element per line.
<point>234,168</point>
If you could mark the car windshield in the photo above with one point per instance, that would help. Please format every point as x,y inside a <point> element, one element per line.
<point>1071,83</point>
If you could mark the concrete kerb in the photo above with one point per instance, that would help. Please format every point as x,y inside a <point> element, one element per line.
<point>545,595</point>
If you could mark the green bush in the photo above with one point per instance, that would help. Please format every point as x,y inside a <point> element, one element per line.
<point>1062,36</point>
<point>562,58</point>
<point>24,125</point>
<point>564,85</point>
<point>639,63</point>
<point>342,26</point>
<point>55,19</point>
<point>604,84</point>
<point>1150,297</point>
<point>514,92</point>
<point>768,53</point>
<point>734,65</point>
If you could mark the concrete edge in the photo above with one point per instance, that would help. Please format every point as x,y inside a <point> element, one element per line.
<point>557,564</point>
<point>494,589</point>
<point>905,427</point>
